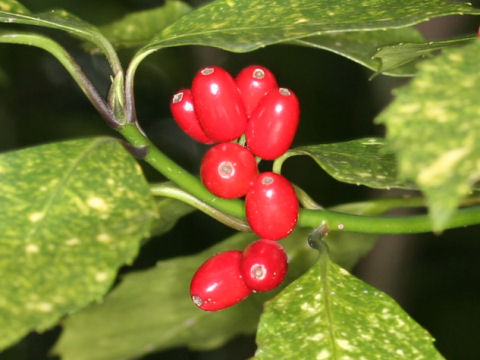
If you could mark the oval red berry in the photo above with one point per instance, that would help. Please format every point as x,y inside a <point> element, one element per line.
<point>228,170</point>
<point>271,206</point>
<point>181,107</point>
<point>273,124</point>
<point>218,283</point>
<point>264,265</point>
<point>253,83</point>
<point>218,104</point>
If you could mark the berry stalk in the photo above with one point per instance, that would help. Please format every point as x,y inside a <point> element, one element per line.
<point>307,218</point>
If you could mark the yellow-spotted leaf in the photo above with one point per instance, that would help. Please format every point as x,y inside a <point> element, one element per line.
<point>71,214</point>
<point>362,162</point>
<point>152,310</point>
<point>433,126</point>
<point>136,29</point>
<point>330,314</point>
<point>11,12</point>
<point>240,26</point>
<point>13,6</point>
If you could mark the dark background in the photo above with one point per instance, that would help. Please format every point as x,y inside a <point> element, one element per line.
<point>435,278</point>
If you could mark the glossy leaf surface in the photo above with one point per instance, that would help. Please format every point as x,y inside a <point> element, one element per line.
<point>71,214</point>
<point>362,162</point>
<point>330,314</point>
<point>240,26</point>
<point>14,13</point>
<point>136,29</point>
<point>161,313</point>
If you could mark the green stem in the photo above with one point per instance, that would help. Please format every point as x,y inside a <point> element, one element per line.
<point>177,174</point>
<point>171,191</point>
<point>131,116</point>
<point>384,224</point>
<point>68,62</point>
<point>111,55</point>
<point>307,218</point>
<point>278,163</point>
<point>383,205</point>
<point>305,200</point>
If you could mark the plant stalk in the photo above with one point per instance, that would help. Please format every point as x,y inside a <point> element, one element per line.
<point>70,65</point>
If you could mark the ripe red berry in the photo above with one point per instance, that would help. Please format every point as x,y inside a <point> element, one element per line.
<point>271,206</point>
<point>253,83</point>
<point>273,124</point>
<point>218,104</point>
<point>183,112</point>
<point>218,283</point>
<point>228,170</point>
<point>264,265</point>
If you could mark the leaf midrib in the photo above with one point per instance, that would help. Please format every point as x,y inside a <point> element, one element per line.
<point>324,270</point>
<point>61,185</point>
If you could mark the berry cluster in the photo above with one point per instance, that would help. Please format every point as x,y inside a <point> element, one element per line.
<point>230,276</point>
<point>217,110</point>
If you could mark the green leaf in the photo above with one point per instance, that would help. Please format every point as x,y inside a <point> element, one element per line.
<point>71,214</point>
<point>152,310</point>
<point>433,126</point>
<point>61,20</point>
<point>330,314</point>
<point>405,53</point>
<point>240,26</point>
<point>362,45</point>
<point>13,7</point>
<point>136,29</point>
<point>361,162</point>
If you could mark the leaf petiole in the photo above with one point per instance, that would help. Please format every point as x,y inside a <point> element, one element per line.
<point>68,62</point>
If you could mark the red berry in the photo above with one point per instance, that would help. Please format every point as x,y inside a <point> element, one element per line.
<point>273,124</point>
<point>218,104</point>
<point>228,170</point>
<point>264,265</point>
<point>271,206</point>
<point>218,283</point>
<point>183,112</point>
<point>253,83</point>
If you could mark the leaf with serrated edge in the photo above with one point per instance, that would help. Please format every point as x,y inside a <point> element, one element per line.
<point>433,125</point>
<point>360,162</point>
<point>360,46</point>
<point>406,53</point>
<point>330,314</point>
<point>240,26</point>
<point>137,28</point>
<point>160,312</point>
<point>71,214</point>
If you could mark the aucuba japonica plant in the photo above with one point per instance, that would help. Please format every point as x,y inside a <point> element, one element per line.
<point>112,249</point>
